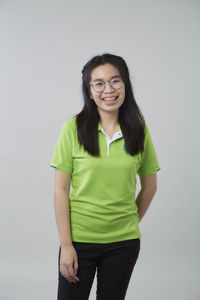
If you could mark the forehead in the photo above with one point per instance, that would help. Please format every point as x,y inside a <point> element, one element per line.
<point>104,72</point>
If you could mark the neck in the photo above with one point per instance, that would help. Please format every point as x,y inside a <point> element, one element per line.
<point>109,119</point>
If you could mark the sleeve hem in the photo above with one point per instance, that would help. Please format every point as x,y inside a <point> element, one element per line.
<point>150,172</point>
<point>61,168</point>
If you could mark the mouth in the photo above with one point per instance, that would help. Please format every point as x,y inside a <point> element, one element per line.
<point>109,99</point>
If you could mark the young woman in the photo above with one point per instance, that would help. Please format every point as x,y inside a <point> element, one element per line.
<point>100,151</point>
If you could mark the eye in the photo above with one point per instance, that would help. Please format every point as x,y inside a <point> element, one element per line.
<point>99,83</point>
<point>115,80</point>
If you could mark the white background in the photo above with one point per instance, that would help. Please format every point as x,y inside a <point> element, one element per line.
<point>43,47</point>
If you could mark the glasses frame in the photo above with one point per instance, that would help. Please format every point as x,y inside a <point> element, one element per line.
<point>92,84</point>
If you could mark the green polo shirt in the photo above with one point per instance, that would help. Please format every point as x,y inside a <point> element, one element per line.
<point>102,200</point>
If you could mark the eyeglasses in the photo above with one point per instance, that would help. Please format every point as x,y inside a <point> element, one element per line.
<point>99,85</point>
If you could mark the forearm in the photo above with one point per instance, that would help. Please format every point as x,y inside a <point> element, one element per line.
<point>62,215</point>
<point>143,201</point>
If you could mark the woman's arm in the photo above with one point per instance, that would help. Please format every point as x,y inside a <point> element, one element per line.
<point>68,257</point>
<point>146,194</point>
<point>61,205</point>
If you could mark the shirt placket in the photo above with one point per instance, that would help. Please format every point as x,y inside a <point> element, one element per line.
<point>117,135</point>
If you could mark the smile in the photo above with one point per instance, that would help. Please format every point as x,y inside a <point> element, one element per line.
<point>110,99</point>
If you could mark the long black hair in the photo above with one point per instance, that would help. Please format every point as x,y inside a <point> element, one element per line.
<point>130,117</point>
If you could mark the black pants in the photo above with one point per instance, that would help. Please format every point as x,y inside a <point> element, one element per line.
<point>114,263</point>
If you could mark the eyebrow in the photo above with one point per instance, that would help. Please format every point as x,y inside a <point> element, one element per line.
<point>116,76</point>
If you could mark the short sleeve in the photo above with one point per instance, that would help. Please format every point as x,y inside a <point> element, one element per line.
<point>149,161</point>
<point>62,156</point>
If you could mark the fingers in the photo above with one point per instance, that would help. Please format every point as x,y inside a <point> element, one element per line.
<point>70,273</point>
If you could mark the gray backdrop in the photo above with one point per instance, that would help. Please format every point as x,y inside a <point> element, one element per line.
<point>44,45</point>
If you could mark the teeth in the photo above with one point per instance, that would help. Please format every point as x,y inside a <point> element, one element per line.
<point>109,99</point>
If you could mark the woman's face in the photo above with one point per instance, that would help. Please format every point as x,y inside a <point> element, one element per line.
<point>107,72</point>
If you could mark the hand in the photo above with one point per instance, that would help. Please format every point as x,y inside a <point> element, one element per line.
<point>69,263</point>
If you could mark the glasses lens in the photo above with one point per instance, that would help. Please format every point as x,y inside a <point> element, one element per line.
<point>98,86</point>
<point>116,83</point>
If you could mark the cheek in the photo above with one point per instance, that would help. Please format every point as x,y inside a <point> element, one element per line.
<point>123,95</point>
<point>92,96</point>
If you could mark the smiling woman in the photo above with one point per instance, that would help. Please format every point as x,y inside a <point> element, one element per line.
<point>113,94</point>
<point>102,149</point>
